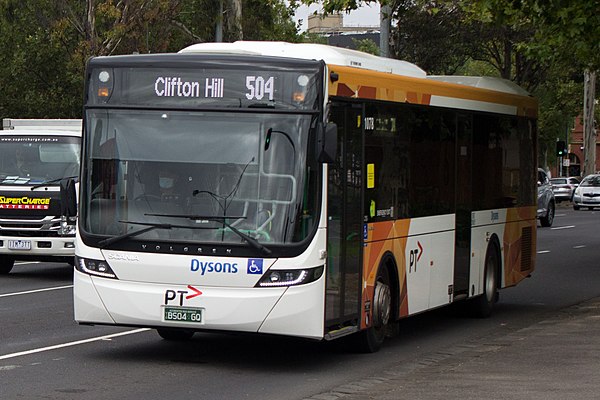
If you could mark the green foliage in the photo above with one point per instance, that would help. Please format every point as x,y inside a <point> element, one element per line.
<point>269,20</point>
<point>44,44</point>
<point>367,46</point>
<point>434,36</point>
<point>563,28</point>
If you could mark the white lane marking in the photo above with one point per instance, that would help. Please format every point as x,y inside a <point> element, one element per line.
<point>563,227</point>
<point>543,251</point>
<point>26,262</point>
<point>36,291</point>
<point>581,246</point>
<point>69,344</point>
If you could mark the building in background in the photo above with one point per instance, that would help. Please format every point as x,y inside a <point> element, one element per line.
<point>332,27</point>
<point>576,151</point>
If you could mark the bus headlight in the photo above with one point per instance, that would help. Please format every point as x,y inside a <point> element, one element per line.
<point>290,277</point>
<point>94,267</point>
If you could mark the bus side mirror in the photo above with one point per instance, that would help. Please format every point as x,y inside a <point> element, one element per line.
<point>68,198</point>
<point>326,142</point>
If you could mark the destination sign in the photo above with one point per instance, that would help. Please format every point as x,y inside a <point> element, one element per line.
<point>188,87</point>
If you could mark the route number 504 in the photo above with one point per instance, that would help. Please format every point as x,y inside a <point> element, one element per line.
<point>258,87</point>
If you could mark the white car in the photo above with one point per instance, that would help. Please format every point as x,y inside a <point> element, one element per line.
<point>587,193</point>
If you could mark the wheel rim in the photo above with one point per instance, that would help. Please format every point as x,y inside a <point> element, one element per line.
<point>550,214</point>
<point>382,301</point>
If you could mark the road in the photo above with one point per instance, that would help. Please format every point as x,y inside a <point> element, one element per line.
<point>45,355</point>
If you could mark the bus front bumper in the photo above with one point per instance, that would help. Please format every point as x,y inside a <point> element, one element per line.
<point>294,311</point>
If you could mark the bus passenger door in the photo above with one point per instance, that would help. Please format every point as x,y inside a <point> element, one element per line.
<point>344,208</point>
<point>464,205</point>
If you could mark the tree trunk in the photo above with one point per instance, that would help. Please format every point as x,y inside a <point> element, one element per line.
<point>90,27</point>
<point>234,20</point>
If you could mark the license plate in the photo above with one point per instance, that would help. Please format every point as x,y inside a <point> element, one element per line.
<point>19,244</point>
<point>182,314</point>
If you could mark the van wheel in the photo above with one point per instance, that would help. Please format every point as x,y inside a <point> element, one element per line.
<point>549,217</point>
<point>371,339</point>
<point>175,334</point>
<point>482,306</point>
<point>6,264</point>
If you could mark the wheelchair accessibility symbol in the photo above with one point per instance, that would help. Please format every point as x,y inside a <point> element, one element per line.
<point>255,266</point>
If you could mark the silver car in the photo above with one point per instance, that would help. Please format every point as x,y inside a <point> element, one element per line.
<point>587,193</point>
<point>564,188</point>
<point>546,203</point>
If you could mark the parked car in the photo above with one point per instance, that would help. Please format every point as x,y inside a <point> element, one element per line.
<point>546,203</point>
<point>587,193</point>
<point>564,188</point>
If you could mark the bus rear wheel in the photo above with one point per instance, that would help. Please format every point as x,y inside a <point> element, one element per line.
<point>371,339</point>
<point>482,305</point>
<point>174,334</point>
<point>6,264</point>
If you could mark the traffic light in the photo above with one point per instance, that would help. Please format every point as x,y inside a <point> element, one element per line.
<point>561,148</point>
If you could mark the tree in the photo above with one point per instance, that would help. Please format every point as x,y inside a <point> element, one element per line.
<point>565,30</point>
<point>44,44</point>
<point>433,37</point>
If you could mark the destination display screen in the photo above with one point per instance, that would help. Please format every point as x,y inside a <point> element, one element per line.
<point>189,87</point>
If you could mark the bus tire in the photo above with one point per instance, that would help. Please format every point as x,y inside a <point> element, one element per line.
<point>6,264</point>
<point>174,334</point>
<point>483,305</point>
<point>371,339</point>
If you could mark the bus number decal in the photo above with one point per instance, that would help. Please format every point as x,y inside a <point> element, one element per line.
<point>415,256</point>
<point>258,87</point>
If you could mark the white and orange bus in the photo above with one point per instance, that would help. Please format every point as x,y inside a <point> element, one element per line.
<point>297,189</point>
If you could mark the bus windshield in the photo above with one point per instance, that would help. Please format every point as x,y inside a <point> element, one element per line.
<point>204,174</point>
<point>30,160</point>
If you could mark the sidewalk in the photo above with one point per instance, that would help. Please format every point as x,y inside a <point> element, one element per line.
<point>553,359</point>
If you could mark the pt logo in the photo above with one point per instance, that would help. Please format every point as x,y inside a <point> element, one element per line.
<point>171,295</point>
<point>415,256</point>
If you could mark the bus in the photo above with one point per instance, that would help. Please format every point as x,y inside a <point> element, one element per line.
<point>298,189</point>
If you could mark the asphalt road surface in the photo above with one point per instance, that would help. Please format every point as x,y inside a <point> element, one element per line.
<point>45,355</point>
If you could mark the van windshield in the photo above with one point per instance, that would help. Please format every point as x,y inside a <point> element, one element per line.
<point>30,160</point>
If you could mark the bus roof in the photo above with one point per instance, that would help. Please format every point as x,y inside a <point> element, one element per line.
<point>332,55</point>
<point>310,51</point>
<point>483,82</point>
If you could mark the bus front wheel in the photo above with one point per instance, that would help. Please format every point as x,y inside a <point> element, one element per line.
<point>371,339</point>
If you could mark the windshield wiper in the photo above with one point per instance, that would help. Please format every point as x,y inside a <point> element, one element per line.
<point>222,219</point>
<point>150,226</point>
<point>45,183</point>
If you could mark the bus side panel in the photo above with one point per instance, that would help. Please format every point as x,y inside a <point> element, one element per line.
<point>515,229</point>
<point>519,245</point>
<point>430,262</point>
<point>383,238</point>
<point>486,224</point>
<point>423,252</point>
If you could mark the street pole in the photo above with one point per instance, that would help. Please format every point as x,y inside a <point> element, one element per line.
<point>384,30</point>
<point>589,133</point>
